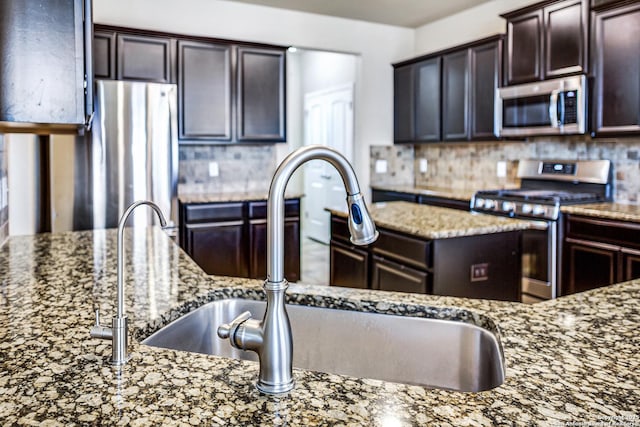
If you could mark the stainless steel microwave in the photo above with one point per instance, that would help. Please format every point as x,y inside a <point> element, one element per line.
<point>550,107</point>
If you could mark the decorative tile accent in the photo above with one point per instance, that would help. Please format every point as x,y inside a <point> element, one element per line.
<point>242,168</point>
<point>472,166</point>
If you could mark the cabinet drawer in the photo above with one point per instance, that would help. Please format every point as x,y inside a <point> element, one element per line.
<point>620,233</point>
<point>213,212</point>
<point>340,229</point>
<point>258,210</point>
<point>389,276</point>
<point>405,249</point>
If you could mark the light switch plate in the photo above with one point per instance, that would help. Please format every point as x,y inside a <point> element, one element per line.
<point>501,169</point>
<point>381,166</point>
<point>214,170</point>
<point>423,165</point>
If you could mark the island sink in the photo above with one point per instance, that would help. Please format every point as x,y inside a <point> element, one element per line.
<point>435,353</point>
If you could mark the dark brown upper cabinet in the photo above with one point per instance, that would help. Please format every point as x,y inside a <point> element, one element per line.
<point>143,58</point>
<point>546,40</point>
<point>261,92</point>
<point>403,103</point>
<point>104,54</point>
<point>448,95</point>
<point>204,83</point>
<point>228,92</point>
<point>428,96</point>
<point>485,66</point>
<point>615,51</point>
<point>455,96</point>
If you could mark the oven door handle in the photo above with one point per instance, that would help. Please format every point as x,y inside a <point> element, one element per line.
<point>553,108</point>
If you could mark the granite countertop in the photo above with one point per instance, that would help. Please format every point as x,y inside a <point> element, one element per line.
<point>574,359</point>
<point>432,222</point>
<point>447,193</point>
<point>616,211</point>
<point>230,196</point>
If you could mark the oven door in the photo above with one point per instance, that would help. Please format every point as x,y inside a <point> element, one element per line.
<point>539,251</point>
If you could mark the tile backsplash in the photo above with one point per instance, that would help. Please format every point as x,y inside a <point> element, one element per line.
<point>240,168</point>
<point>4,193</point>
<point>473,166</point>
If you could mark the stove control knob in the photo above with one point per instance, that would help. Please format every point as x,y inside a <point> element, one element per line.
<point>538,210</point>
<point>489,204</point>
<point>526,208</point>
<point>508,206</point>
<point>479,202</point>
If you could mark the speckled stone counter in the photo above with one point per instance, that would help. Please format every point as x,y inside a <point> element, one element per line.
<point>433,222</point>
<point>615,211</point>
<point>574,359</point>
<point>229,197</point>
<point>448,193</point>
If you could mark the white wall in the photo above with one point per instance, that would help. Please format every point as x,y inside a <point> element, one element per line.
<point>472,24</point>
<point>22,150</point>
<point>377,45</point>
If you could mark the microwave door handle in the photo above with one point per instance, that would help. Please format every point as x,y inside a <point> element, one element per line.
<point>553,108</point>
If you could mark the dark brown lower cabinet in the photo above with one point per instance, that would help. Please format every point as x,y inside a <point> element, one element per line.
<point>230,238</point>
<point>592,265</point>
<point>258,245</point>
<point>599,252</point>
<point>390,276</point>
<point>631,264</point>
<point>484,266</point>
<point>349,266</point>
<point>218,248</point>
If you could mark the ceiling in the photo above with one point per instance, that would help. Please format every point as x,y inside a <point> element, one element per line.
<point>403,13</point>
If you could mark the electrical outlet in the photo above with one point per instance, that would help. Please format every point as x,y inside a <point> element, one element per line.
<point>479,272</point>
<point>214,170</point>
<point>381,166</point>
<point>501,169</point>
<point>423,165</point>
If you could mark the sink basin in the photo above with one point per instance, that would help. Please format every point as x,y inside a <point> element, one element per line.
<point>429,352</point>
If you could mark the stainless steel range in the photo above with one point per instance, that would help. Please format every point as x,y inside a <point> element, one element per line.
<point>545,187</point>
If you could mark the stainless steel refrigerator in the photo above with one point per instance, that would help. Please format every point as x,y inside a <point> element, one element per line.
<point>130,153</point>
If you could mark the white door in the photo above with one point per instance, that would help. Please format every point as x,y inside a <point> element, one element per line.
<point>328,121</point>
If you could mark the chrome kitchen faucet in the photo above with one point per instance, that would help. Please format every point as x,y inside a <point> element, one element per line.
<point>118,331</point>
<point>271,338</point>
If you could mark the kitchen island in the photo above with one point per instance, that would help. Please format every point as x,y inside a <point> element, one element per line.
<point>568,360</point>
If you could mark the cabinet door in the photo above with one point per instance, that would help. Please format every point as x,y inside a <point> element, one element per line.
<point>589,265</point>
<point>427,102</point>
<point>524,48</point>
<point>143,58</point>
<point>104,54</point>
<point>616,55</point>
<point>349,266</point>
<point>631,264</point>
<point>484,64</point>
<point>258,249</point>
<point>565,38</point>
<point>455,99</point>
<point>218,248</point>
<point>204,86</point>
<point>260,98</point>
<point>403,104</point>
<point>390,276</point>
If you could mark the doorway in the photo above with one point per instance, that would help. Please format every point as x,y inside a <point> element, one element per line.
<point>321,92</point>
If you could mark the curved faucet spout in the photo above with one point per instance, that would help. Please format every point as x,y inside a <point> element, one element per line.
<point>271,338</point>
<point>117,333</point>
<point>163,222</point>
<point>361,226</point>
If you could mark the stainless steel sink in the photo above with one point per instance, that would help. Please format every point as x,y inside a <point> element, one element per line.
<point>429,352</point>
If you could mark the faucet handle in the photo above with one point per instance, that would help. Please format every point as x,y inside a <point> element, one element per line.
<point>99,331</point>
<point>227,329</point>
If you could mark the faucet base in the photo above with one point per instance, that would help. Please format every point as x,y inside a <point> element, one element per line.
<point>267,388</point>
